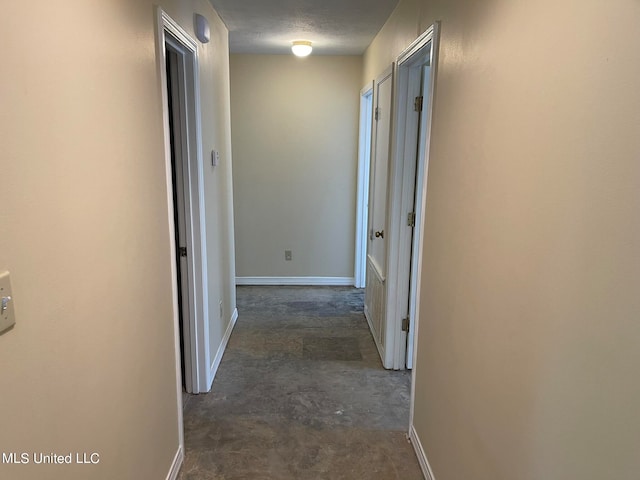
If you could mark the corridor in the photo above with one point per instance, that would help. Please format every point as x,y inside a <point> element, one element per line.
<point>300,394</point>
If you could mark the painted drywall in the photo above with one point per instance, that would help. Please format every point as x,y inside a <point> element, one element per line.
<point>90,364</point>
<point>528,336</point>
<point>295,145</point>
<point>215,102</point>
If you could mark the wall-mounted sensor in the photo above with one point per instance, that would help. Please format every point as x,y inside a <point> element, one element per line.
<point>202,29</point>
<point>215,158</point>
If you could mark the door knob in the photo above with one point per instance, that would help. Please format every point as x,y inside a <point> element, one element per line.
<point>380,234</point>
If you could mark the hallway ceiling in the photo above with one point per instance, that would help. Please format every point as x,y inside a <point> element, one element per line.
<point>336,27</point>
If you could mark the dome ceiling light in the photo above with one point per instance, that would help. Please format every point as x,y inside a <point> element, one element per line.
<point>301,48</point>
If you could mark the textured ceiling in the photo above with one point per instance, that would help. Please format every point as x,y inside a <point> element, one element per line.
<point>336,27</point>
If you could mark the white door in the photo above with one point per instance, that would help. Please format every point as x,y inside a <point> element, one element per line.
<point>375,296</point>
<point>419,193</point>
<point>414,94</point>
<point>185,198</point>
<point>179,156</point>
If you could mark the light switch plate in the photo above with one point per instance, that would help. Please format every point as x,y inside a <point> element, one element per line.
<point>7,315</point>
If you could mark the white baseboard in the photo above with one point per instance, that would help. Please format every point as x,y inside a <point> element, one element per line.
<point>223,346</point>
<point>422,457</point>
<point>177,463</point>
<point>329,281</point>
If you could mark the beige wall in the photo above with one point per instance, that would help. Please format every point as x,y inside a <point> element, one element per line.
<point>215,103</point>
<point>295,141</point>
<point>90,364</point>
<point>528,344</point>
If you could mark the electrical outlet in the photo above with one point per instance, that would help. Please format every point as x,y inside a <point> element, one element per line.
<point>287,255</point>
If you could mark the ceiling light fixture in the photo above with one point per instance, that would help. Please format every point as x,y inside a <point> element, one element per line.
<point>301,48</point>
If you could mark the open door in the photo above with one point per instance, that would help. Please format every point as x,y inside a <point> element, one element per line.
<point>375,289</point>
<point>179,173</point>
<point>185,192</point>
<point>416,217</point>
<point>400,146</point>
<point>414,101</point>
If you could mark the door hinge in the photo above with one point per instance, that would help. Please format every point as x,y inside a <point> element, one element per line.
<point>417,104</point>
<point>405,324</point>
<point>182,251</point>
<point>377,113</point>
<point>411,219</point>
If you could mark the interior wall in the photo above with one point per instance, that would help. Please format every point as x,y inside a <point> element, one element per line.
<point>90,364</point>
<point>295,145</point>
<point>215,104</point>
<point>527,347</point>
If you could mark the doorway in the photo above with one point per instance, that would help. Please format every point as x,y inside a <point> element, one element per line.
<point>364,165</point>
<point>398,196</point>
<point>375,297</point>
<point>185,197</point>
<point>176,89</point>
<point>419,71</point>
<point>414,99</point>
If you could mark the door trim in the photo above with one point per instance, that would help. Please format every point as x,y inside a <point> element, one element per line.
<point>430,35</point>
<point>196,238</point>
<point>403,178</point>
<point>364,164</point>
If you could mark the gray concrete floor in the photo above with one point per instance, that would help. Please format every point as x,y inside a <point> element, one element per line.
<point>300,394</point>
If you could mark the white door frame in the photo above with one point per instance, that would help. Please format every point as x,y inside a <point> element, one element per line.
<point>429,40</point>
<point>364,164</point>
<point>422,168</point>
<point>376,277</point>
<point>198,323</point>
<point>402,287</point>
<point>180,150</point>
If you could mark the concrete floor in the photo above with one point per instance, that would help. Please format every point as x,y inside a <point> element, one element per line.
<point>301,394</point>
